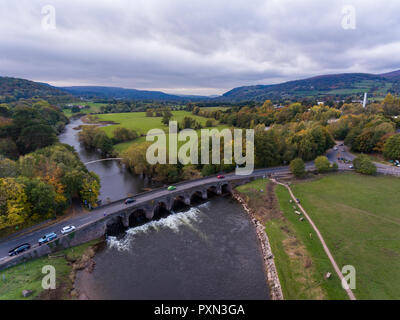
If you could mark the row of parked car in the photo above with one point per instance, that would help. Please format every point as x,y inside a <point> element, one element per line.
<point>46,238</point>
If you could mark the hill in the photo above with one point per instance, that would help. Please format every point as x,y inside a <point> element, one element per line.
<point>91,92</point>
<point>335,86</point>
<point>14,89</point>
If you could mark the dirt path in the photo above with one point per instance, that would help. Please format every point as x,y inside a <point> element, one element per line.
<point>326,249</point>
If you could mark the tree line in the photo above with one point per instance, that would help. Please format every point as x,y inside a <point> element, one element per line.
<point>42,184</point>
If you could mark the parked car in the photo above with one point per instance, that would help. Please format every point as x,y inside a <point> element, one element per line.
<point>351,167</point>
<point>129,200</point>
<point>171,188</point>
<point>19,249</point>
<point>220,176</point>
<point>47,238</point>
<point>67,229</point>
<point>335,148</point>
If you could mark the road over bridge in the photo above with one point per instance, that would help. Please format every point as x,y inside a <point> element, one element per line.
<point>94,224</point>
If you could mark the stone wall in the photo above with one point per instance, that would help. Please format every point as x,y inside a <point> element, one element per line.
<point>83,234</point>
<point>269,263</point>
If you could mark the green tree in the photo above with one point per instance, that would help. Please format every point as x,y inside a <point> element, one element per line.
<point>363,164</point>
<point>167,115</point>
<point>123,134</point>
<point>103,142</point>
<point>391,149</point>
<point>322,164</point>
<point>297,167</point>
<point>35,137</point>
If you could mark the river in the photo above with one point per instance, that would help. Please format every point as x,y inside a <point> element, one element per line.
<point>209,251</point>
<point>116,181</point>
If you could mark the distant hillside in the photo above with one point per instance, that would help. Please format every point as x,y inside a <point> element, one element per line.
<point>336,86</point>
<point>14,89</point>
<point>91,92</point>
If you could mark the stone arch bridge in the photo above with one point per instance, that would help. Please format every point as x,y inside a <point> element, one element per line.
<point>167,201</point>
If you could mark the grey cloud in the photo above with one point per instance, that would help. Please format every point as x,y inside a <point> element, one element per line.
<point>195,46</point>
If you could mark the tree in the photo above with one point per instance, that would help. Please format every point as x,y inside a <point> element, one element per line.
<point>363,164</point>
<point>103,142</point>
<point>75,109</point>
<point>391,149</point>
<point>322,164</point>
<point>90,189</point>
<point>123,134</point>
<point>8,168</point>
<point>167,115</point>
<point>14,206</point>
<point>297,167</point>
<point>135,159</point>
<point>41,196</point>
<point>8,148</point>
<point>36,137</point>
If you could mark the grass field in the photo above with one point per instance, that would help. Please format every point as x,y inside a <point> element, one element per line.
<point>94,108</point>
<point>359,218</point>
<point>141,124</point>
<point>28,275</point>
<point>300,260</point>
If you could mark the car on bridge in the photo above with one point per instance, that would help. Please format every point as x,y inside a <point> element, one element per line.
<point>67,229</point>
<point>171,188</point>
<point>19,249</point>
<point>129,200</point>
<point>220,176</point>
<point>47,238</point>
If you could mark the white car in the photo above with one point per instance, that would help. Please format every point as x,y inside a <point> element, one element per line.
<point>67,229</point>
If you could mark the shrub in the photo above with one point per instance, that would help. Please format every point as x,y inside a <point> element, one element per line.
<point>297,167</point>
<point>363,164</point>
<point>322,164</point>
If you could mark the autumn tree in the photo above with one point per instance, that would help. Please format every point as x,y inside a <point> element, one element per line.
<point>391,149</point>
<point>297,167</point>
<point>322,164</point>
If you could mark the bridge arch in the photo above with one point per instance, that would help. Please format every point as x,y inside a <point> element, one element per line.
<point>161,209</point>
<point>138,217</point>
<point>226,188</point>
<point>180,201</point>
<point>197,195</point>
<point>114,226</point>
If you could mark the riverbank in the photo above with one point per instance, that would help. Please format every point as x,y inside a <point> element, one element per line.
<point>295,248</point>
<point>209,251</point>
<point>268,258</point>
<point>28,276</point>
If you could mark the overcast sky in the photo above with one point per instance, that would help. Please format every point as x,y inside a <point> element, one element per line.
<point>195,47</point>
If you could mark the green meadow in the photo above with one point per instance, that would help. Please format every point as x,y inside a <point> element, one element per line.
<point>359,218</point>
<point>94,108</point>
<point>141,124</point>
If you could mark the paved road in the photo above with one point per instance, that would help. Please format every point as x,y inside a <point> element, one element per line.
<point>98,213</point>
<point>343,152</point>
